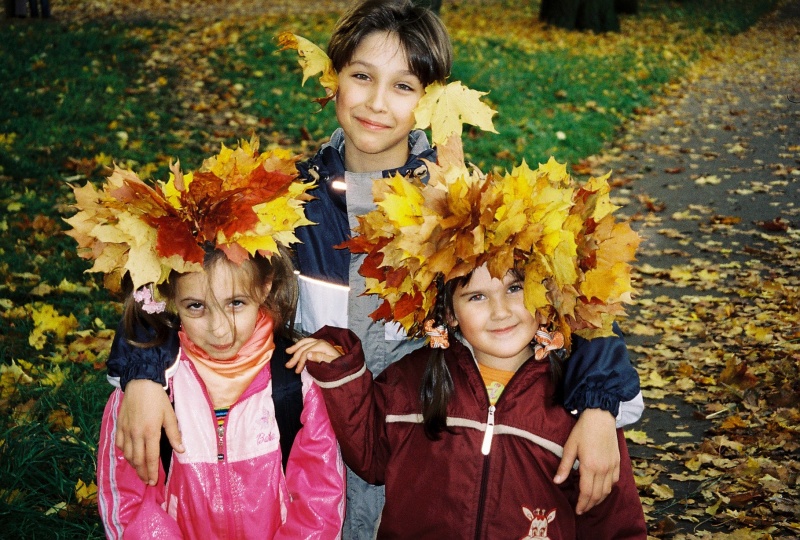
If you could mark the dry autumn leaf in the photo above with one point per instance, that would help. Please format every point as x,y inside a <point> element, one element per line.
<point>445,109</point>
<point>312,60</point>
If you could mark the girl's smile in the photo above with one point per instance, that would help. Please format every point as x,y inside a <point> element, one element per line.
<point>492,317</point>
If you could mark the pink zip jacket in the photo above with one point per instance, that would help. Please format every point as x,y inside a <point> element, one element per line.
<point>229,484</point>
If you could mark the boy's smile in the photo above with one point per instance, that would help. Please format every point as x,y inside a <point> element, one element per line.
<point>375,104</point>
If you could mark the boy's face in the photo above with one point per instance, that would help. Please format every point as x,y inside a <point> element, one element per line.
<point>217,314</point>
<point>492,317</point>
<point>375,104</point>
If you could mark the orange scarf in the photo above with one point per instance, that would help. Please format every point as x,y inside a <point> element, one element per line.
<point>225,380</point>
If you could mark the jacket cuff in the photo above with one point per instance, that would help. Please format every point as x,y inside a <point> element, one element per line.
<point>599,374</point>
<point>135,370</point>
<point>594,398</point>
<point>349,365</point>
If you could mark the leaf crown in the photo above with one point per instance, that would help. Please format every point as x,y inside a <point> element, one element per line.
<point>240,201</point>
<point>574,254</point>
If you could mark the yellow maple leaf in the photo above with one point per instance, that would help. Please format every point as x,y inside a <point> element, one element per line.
<point>662,492</point>
<point>637,436</point>
<point>446,108</point>
<point>46,319</point>
<point>403,204</point>
<point>312,60</point>
<point>278,219</point>
<point>55,377</point>
<point>84,493</point>
<point>178,182</point>
<point>556,172</point>
<point>564,256</point>
<point>11,376</point>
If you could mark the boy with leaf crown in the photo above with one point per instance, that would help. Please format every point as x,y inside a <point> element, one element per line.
<point>386,68</point>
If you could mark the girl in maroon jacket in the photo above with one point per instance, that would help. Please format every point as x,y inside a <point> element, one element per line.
<point>504,274</point>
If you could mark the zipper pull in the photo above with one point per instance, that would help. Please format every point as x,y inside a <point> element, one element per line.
<point>220,442</point>
<point>487,437</point>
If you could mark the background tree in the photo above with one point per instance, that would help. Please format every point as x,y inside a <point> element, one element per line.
<point>630,7</point>
<point>595,15</point>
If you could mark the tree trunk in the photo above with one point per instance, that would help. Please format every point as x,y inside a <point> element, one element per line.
<point>629,7</point>
<point>433,5</point>
<point>596,15</point>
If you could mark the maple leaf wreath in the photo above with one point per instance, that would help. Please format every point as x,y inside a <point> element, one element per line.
<point>563,236</point>
<point>240,201</point>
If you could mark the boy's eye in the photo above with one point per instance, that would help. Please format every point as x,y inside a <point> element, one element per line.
<point>476,297</point>
<point>405,87</point>
<point>361,76</point>
<point>515,287</point>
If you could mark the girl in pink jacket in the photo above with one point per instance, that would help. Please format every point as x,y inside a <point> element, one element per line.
<point>218,237</point>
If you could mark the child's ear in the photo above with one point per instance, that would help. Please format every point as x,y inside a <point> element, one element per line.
<point>451,321</point>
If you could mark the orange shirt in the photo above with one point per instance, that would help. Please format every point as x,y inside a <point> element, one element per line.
<point>495,381</point>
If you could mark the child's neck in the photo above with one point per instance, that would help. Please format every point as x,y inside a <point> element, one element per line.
<point>369,164</point>
<point>503,364</point>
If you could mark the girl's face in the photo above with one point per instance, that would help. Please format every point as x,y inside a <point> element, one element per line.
<point>218,314</point>
<point>375,104</point>
<point>492,317</point>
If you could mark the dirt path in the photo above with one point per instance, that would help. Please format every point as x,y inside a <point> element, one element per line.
<point>712,178</point>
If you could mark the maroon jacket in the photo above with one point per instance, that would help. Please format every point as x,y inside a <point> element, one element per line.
<point>448,488</point>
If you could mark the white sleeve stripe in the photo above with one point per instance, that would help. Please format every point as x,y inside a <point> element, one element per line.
<point>342,381</point>
<point>321,283</point>
<point>112,513</point>
<point>499,429</point>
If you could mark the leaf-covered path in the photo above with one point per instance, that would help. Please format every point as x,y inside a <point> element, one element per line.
<point>712,179</point>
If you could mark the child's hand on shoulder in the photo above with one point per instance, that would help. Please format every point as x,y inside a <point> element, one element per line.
<point>145,409</point>
<point>311,349</point>
<point>593,441</point>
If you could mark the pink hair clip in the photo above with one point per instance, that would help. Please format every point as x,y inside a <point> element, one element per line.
<point>145,295</point>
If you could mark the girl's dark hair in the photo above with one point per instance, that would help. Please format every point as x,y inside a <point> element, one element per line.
<point>436,387</point>
<point>422,36</point>
<point>280,303</point>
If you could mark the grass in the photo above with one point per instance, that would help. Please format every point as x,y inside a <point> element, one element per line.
<point>78,96</point>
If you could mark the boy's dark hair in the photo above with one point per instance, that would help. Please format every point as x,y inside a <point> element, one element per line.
<point>280,303</point>
<point>436,387</point>
<point>422,36</point>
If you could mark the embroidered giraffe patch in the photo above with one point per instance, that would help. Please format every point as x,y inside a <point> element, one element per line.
<point>539,522</point>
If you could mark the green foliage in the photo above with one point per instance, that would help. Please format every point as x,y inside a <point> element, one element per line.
<point>274,95</point>
<point>41,460</point>
<point>539,94</point>
<point>68,92</point>
<point>712,16</point>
